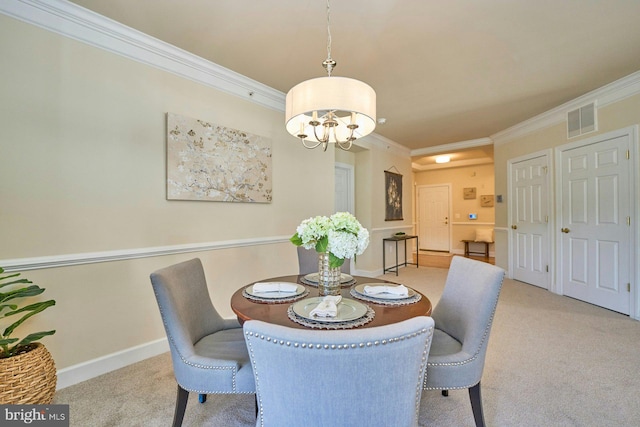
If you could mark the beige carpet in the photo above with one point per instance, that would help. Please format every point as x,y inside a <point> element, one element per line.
<point>552,361</point>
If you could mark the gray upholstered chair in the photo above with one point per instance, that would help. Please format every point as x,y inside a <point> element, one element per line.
<point>209,353</point>
<point>355,377</point>
<point>463,318</point>
<point>308,262</point>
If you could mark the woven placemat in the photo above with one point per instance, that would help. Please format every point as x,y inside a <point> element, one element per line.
<point>274,300</point>
<point>385,301</point>
<point>318,324</point>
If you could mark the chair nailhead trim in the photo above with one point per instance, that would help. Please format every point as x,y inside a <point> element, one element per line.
<point>485,336</point>
<point>195,365</point>
<point>340,346</point>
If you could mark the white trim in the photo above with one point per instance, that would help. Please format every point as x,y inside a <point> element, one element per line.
<point>383,229</point>
<point>73,21</point>
<point>453,164</point>
<point>452,147</point>
<point>474,223</point>
<point>382,143</point>
<point>605,95</point>
<point>23,264</point>
<point>90,369</point>
<point>350,169</point>
<point>635,254</point>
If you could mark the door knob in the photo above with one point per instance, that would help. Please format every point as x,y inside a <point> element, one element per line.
<point>515,227</point>
<point>565,230</point>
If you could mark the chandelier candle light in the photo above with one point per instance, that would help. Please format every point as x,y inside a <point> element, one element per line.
<point>335,110</point>
<point>334,238</point>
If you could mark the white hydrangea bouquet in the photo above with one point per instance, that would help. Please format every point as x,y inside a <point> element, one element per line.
<point>340,235</point>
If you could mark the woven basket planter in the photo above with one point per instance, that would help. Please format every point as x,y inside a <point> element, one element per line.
<point>28,378</point>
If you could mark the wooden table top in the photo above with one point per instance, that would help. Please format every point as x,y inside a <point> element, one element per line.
<point>276,313</point>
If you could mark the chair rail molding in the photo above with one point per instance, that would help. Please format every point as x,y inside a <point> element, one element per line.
<point>385,229</point>
<point>24,264</point>
<point>491,224</point>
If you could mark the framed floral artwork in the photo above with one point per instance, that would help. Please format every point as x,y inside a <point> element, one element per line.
<point>393,196</point>
<point>210,162</point>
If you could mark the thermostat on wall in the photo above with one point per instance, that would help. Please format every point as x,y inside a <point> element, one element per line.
<point>473,216</point>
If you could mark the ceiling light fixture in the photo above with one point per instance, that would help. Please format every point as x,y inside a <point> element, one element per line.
<point>443,159</point>
<point>330,110</point>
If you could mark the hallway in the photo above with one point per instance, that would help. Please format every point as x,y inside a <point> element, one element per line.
<point>443,259</point>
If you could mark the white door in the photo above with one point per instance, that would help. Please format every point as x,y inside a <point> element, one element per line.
<point>529,221</point>
<point>344,188</point>
<point>595,226</point>
<point>433,217</point>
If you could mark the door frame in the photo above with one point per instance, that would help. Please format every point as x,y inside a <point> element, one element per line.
<point>449,208</point>
<point>550,246</point>
<point>351,185</point>
<point>351,194</point>
<point>634,256</point>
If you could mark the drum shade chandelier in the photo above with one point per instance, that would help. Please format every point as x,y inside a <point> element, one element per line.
<point>330,110</point>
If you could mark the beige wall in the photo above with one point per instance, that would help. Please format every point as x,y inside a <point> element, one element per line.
<point>482,178</point>
<point>83,171</point>
<point>370,201</point>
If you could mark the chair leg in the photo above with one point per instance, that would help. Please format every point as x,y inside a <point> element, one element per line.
<point>445,393</point>
<point>202,398</point>
<point>181,405</point>
<point>256,396</point>
<point>476,405</point>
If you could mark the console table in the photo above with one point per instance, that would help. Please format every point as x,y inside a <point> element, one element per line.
<point>397,239</point>
<point>467,251</point>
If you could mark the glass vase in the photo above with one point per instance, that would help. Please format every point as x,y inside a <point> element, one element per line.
<point>328,278</point>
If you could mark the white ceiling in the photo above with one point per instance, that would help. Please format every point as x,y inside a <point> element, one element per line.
<point>444,71</point>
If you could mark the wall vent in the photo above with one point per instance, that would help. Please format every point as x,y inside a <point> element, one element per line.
<point>581,120</point>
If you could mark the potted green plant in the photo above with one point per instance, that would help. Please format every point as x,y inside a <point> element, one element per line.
<point>27,370</point>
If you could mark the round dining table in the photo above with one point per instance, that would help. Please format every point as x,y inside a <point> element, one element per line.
<point>276,312</point>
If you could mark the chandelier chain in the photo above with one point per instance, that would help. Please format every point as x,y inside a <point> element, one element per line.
<point>328,30</point>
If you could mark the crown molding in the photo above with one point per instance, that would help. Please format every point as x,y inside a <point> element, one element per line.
<point>382,143</point>
<point>605,95</point>
<point>73,21</point>
<point>453,164</point>
<point>454,146</point>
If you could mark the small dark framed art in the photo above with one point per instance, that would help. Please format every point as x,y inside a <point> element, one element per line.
<point>393,196</point>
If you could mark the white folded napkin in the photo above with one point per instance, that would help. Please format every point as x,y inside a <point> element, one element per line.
<point>328,307</point>
<point>400,290</point>
<point>274,287</point>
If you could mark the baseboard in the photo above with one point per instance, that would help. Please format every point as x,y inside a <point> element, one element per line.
<point>102,365</point>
